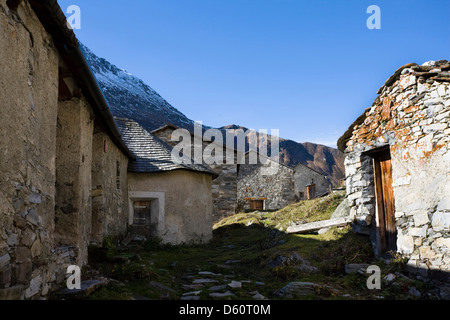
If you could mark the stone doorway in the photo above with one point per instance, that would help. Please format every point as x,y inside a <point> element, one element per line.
<point>385,202</point>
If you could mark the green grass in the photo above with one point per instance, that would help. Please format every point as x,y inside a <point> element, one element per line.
<point>254,240</point>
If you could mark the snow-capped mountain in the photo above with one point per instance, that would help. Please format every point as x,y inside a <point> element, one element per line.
<point>129,97</point>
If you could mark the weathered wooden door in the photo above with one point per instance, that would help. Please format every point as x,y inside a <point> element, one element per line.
<point>311,192</point>
<point>142,212</point>
<point>257,205</point>
<point>387,230</point>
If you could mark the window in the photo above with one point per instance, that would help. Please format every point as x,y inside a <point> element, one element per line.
<point>118,175</point>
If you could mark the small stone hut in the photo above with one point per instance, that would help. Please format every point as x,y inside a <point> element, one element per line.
<point>167,200</point>
<point>63,177</point>
<point>398,168</point>
<point>271,185</point>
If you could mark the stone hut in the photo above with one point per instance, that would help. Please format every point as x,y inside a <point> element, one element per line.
<point>224,187</point>
<point>63,181</point>
<point>167,200</point>
<point>398,168</point>
<point>309,183</point>
<point>271,185</point>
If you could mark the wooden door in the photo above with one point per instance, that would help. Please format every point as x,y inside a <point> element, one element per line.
<point>385,202</point>
<point>142,212</point>
<point>311,192</point>
<point>257,205</point>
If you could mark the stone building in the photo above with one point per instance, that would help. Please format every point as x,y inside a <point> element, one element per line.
<point>224,187</point>
<point>271,185</point>
<point>398,168</point>
<point>63,180</point>
<point>309,183</point>
<point>168,200</point>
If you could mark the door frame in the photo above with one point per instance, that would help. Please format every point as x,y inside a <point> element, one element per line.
<point>385,201</point>
<point>158,204</point>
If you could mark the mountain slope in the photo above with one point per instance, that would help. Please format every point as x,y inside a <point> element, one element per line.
<point>129,97</point>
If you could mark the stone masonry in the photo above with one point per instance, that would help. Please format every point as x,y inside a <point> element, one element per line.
<point>411,117</point>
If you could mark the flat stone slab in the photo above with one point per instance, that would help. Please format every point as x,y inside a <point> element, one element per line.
<point>201,281</point>
<point>221,295</point>
<point>317,225</point>
<point>87,288</point>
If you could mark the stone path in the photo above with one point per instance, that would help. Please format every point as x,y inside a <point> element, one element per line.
<point>218,286</point>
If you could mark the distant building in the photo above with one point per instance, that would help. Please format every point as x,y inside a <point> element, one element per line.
<point>167,200</point>
<point>270,185</point>
<point>224,187</point>
<point>398,168</point>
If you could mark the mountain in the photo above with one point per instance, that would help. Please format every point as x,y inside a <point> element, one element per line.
<point>326,160</point>
<point>129,97</point>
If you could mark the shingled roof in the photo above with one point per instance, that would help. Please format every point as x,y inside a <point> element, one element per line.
<point>152,154</point>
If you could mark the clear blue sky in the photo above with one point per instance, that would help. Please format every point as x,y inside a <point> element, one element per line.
<point>307,68</point>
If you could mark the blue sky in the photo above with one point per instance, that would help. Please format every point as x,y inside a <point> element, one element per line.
<point>307,68</point>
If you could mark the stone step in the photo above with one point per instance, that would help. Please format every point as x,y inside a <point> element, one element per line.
<point>88,287</point>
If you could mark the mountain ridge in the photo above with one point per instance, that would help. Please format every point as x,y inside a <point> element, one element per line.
<point>129,97</point>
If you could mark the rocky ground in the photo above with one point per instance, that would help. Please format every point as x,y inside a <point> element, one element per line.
<point>251,258</point>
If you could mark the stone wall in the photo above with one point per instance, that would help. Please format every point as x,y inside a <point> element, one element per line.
<point>184,204</point>
<point>304,176</point>
<point>73,206</point>
<point>46,144</point>
<point>109,189</point>
<point>272,181</point>
<point>411,116</point>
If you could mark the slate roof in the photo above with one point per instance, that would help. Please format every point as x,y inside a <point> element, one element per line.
<point>434,70</point>
<point>152,154</point>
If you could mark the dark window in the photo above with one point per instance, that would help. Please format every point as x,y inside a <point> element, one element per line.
<point>118,175</point>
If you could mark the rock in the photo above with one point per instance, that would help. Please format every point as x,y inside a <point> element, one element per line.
<point>390,277</point>
<point>221,295</point>
<point>414,292</point>
<point>33,217</point>
<point>207,273</point>
<point>4,261</point>
<point>36,249</point>
<point>294,290</point>
<point>258,296</point>
<point>35,198</point>
<point>218,287</point>
<point>13,240</point>
<point>313,226</point>
<point>343,210</point>
<point>87,288</point>
<point>161,287</point>
<point>34,288</point>
<point>192,293</point>
<point>190,298</point>
<point>356,267</point>
<point>192,286</point>
<point>235,284</point>
<point>28,237</point>
<point>201,281</point>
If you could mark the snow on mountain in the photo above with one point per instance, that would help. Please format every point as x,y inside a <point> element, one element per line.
<point>129,97</point>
